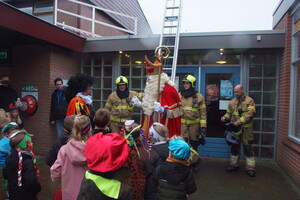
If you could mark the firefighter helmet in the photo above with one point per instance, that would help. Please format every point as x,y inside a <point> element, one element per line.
<point>232,134</point>
<point>121,80</point>
<point>191,79</point>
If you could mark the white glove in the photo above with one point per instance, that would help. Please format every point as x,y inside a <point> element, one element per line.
<point>158,108</point>
<point>136,102</point>
<point>18,103</point>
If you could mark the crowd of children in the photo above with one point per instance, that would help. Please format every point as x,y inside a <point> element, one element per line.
<point>92,163</point>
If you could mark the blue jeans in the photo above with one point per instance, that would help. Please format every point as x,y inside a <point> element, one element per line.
<point>59,127</point>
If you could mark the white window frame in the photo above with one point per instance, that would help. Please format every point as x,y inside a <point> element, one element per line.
<point>295,61</point>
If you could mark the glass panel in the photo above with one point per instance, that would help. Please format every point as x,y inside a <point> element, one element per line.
<point>270,85</point>
<point>258,111</point>
<point>268,125</point>
<point>97,83</point>
<point>107,82</point>
<point>137,70</point>
<point>106,93</point>
<point>270,71</point>
<point>107,71</point>
<point>125,71</point>
<point>256,151</point>
<point>269,58</point>
<point>269,98</point>
<point>97,71</point>
<point>96,94</point>
<point>125,59</point>
<point>296,131</point>
<point>256,96</point>
<point>256,138</point>
<point>96,105</point>
<point>87,70</point>
<point>269,111</point>
<point>267,139</point>
<point>255,59</point>
<point>255,84</point>
<point>267,152</point>
<point>136,83</point>
<point>98,60</point>
<point>256,125</point>
<point>255,71</point>
<point>108,59</point>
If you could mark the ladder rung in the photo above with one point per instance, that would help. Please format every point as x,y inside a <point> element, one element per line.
<point>171,18</point>
<point>170,46</point>
<point>173,7</point>
<point>169,35</point>
<point>170,26</point>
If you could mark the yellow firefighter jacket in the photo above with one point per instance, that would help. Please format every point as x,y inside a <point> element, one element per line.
<point>121,109</point>
<point>194,110</point>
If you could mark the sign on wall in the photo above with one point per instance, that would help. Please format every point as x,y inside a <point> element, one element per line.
<point>30,90</point>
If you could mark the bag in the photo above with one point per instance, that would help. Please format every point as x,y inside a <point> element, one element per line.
<point>58,194</point>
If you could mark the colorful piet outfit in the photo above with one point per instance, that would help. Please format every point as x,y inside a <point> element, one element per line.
<point>80,105</point>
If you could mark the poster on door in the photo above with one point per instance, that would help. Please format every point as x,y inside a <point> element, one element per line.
<point>212,92</point>
<point>226,89</point>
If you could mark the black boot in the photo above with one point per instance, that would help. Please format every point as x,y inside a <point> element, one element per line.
<point>231,169</point>
<point>251,173</point>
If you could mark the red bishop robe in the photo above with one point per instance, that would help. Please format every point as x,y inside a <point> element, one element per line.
<point>171,117</point>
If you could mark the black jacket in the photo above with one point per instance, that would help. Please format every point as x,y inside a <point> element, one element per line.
<point>30,185</point>
<point>52,155</point>
<point>173,181</point>
<point>158,155</point>
<point>7,96</point>
<point>90,191</point>
<point>58,111</point>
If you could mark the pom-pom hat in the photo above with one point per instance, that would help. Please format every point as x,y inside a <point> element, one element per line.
<point>106,153</point>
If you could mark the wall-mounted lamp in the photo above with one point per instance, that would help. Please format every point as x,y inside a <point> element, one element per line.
<point>258,37</point>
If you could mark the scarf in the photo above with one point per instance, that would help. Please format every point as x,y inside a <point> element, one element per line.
<point>86,98</point>
<point>184,162</point>
<point>188,93</point>
<point>122,94</point>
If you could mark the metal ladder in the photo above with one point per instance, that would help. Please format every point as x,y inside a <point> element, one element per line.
<point>170,34</point>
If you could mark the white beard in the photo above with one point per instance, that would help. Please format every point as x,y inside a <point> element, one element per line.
<point>150,92</point>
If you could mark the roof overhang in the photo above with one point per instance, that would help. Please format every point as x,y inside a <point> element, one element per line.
<point>29,25</point>
<point>189,41</point>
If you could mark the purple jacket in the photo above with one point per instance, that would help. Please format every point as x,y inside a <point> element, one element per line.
<point>69,168</point>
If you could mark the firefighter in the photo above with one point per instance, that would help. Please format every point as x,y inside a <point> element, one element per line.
<point>241,111</point>
<point>119,103</point>
<point>193,120</point>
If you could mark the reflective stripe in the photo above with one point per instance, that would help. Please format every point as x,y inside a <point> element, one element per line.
<point>202,106</point>
<point>202,121</point>
<point>247,125</point>
<point>229,111</point>
<point>226,116</point>
<point>251,107</point>
<point>235,113</point>
<point>108,105</point>
<point>185,121</point>
<point>123,107</point>
<point>234,160</point>
<point>190,108</point>
<point>109,187</point>
<point>243,120</point>
<point>115,119</point>
<point>250,161</point>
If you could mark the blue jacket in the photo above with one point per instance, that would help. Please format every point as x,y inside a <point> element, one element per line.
<point>4,150</point>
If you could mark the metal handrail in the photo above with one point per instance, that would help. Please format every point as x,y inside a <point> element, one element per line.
<point>93,20</point>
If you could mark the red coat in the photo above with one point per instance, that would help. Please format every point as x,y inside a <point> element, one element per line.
<point>172,116</point>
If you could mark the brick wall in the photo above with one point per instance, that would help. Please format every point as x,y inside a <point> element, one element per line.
<point>40,65</point>
<point>288,152</point>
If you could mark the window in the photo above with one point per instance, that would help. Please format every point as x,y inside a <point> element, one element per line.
<point>294,130</point>
<point>42,7</point>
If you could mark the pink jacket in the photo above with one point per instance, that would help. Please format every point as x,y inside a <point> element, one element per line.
<point>69,168</point>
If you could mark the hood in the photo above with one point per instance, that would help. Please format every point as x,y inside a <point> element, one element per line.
<point>12,159</point>
<point>74,150</point>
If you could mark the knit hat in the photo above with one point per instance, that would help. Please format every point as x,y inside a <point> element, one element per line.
<point>106,153</point>
<point>8,126</point>
<point>179,149</point>
<point>18,139</point>
<point>158,131</point>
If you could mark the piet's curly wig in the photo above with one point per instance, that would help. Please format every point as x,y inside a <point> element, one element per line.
<point>78,83</point>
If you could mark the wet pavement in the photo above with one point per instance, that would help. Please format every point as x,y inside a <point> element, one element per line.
<point>215,183</point>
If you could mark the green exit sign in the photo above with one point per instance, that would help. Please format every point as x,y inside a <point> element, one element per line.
<point>3,54</point>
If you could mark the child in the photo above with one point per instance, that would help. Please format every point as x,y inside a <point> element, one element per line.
<point>68,125</point>
<point>7,131</point>
<point>158,136</point>
<point>107,177</point>
<point>20,170</point>
<point>174,178</point>
<point>102,121</point>
<point>71,164</point>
